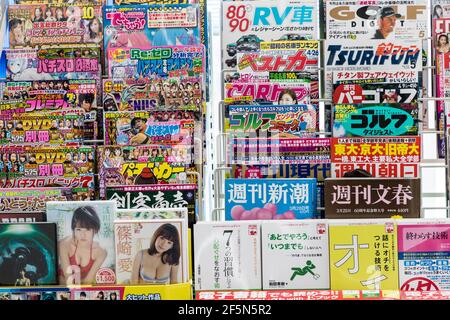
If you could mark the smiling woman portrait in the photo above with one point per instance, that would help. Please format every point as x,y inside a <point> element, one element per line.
<point>158,264</point>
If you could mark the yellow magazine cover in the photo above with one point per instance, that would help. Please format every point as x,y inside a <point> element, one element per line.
<point>363,256</point>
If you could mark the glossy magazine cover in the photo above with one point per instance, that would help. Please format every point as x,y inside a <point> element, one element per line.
<point>85,241</point>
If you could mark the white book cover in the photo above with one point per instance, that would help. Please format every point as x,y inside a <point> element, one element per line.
<point>227,255</point>
<point>151,251</point>
<point>295,255</point>
<point>85,241</point>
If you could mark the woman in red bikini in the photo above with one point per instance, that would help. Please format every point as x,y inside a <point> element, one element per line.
<point>80,256</point>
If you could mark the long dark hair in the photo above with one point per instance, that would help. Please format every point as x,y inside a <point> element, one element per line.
<point>168,232</point>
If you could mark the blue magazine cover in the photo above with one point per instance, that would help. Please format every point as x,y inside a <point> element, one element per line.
<point>270,199</point>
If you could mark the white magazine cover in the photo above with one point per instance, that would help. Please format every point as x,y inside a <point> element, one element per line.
<point>246,23</point>
<point>227,255</point>
<point>368,56</point>
<point>295,255</point>
<point>377,19</point>
<point>85,241</point>
<point>151,251</point>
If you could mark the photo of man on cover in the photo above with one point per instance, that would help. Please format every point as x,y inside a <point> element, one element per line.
<point>386,22</point>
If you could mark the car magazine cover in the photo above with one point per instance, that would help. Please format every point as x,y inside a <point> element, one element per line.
<point>300,249</point>
<point>423,254</point>
<point>381,120</point>
<point>28,254</point>
<point>382,157</point>
<point>247,23</point>
<point>350,198</point>
<point>227,255</point>
<point>51,25</point>
<point>267,199</point>
<point>363,255</point>
<point>151,251</point>
<point>85,241</point>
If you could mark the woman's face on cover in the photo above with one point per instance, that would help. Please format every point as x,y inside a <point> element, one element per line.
<point>83,234</point>
<point>162,244</point>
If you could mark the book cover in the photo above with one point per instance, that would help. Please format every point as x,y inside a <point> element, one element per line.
<point>85,241</point>
<point>151,251</point>
<point>423,254</point>
<point>28,254</point>
<point>227,255</point>
<point>363,255</point>
<point>295,255</point>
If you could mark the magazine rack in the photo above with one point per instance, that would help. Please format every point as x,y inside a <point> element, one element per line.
<point>426,128</point>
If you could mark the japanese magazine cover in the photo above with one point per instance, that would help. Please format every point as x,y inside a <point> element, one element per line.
<point>116,168</point>
<point>141,127</point>
<point>52,128</point>
<point>63,63</point>
<point>28,254</point>
<point>56,95</point>
<point>280,62</point>
<point>359,120</point>
<point>247,23</point>
<point>376,55</point>
<point>85,241</point>
<point>441,50</point>
<point>227,255</point>
<point>382,157</point>
<point>138,62</point>
<point>155,196</point>
<point>300,250</point>
<point>51,25</point>
<point>184,93</point>
<point>355,87</point>
<point>319,171</point>
<point>423,254</point>
<point>267,199</point>
<point>363,255</point>
<point>151,251</point>
<point>151,25</point>
<point>287,121</point>
<point>349,198</point>
<point>31,200</point>
<point>380,19</point>
<point>254,151</point>
<point>82,186</point>
<point>31,161</point>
